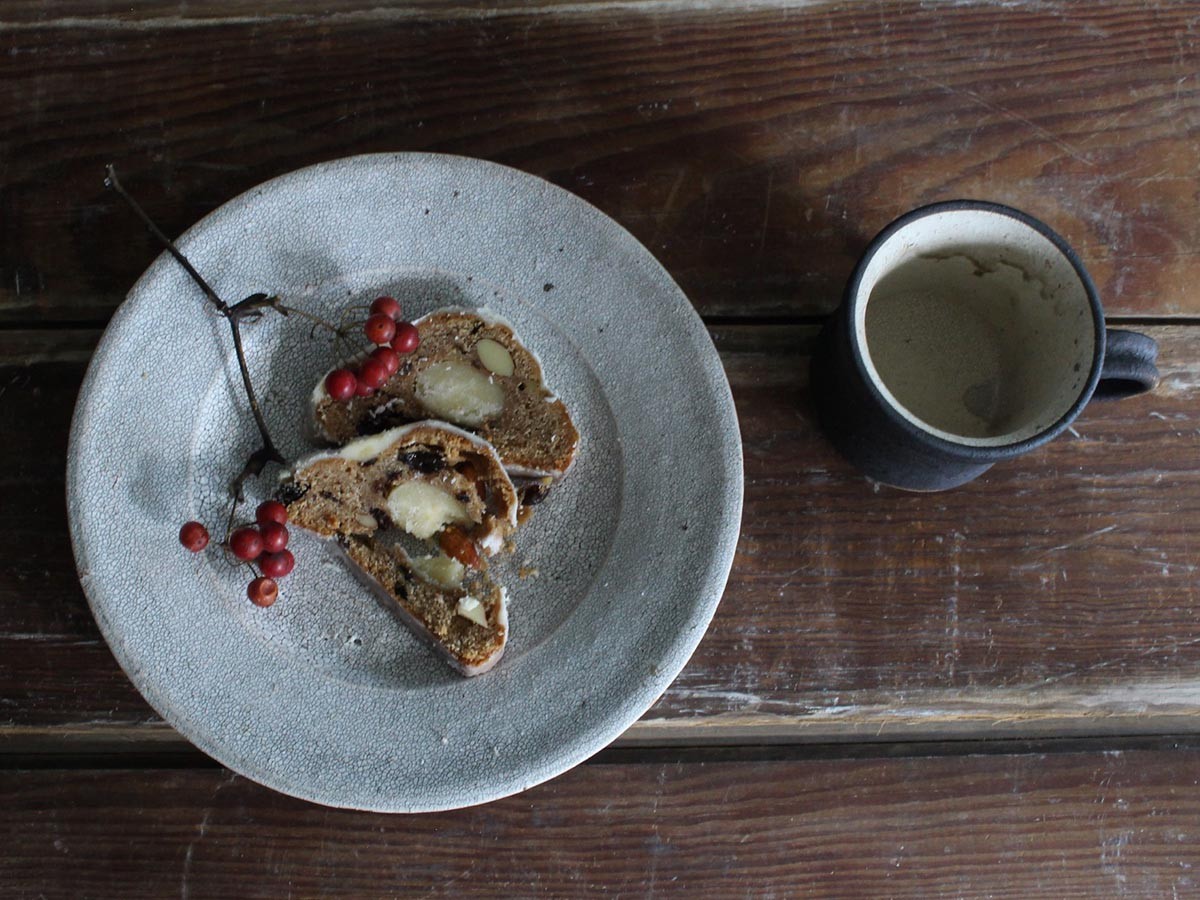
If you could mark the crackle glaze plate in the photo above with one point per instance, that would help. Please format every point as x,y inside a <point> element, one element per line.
<point>324,695</point>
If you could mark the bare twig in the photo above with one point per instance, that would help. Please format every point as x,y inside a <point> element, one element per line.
<point>249,309</point>
<point>112,182</point>
<point>268,446</point>
<point>317,321</point>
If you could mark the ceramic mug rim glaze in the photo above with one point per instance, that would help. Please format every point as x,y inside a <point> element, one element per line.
<point>992,452</point>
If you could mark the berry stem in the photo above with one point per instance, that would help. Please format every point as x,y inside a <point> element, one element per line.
<point>267,451</point>
<point>112,182</point>
<point>250,308</point>
<point>316,320</point>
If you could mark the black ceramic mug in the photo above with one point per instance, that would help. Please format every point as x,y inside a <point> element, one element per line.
<point>969,333</point>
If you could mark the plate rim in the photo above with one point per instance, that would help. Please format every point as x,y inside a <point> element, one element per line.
<point>640,695</point>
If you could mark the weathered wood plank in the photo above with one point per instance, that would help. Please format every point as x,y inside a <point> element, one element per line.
<point>753,149</point>
<point>180,13</point>
<point>1035,826</point>
<point>1058,594</point>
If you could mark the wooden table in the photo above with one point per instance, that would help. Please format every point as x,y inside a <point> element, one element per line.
<point>992,691</point>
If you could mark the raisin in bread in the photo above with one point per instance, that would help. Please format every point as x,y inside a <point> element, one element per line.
<point>471,370</point>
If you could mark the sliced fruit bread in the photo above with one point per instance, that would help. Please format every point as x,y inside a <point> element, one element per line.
<point>436,483</point>
<point>469,369</point>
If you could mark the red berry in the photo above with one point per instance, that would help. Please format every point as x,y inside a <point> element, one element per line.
<point>388,306</point>
<point>363,389</point>
<point>246,543</point>
<point>407,338</point>
<point>389,357</point>
<point>270,511</point>
<point>341,384</point>
<point>274,537</point>
<point>380,328</point>
<point>194,536</point>
<point>276,565</point>
<point>262,591</point>
<point>373,373</point>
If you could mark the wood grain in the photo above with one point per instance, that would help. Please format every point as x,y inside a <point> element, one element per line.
<point>1036,826</point>
<point>180,13</point>
<point>1056,595</point>
<point>753,149</point>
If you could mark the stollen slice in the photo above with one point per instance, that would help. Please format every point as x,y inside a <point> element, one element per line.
<point>417,509</point>
<point>469,369</point>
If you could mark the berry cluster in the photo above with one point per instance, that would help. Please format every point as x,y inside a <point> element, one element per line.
<point>264,542</point>
<point>392,336</point>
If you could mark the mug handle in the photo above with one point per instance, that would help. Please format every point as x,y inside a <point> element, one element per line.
<point>1129,365</point>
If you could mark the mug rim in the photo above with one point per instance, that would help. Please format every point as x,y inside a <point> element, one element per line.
<point>970,451</point>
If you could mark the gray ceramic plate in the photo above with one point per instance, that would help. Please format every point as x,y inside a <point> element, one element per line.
<point>324,696</point>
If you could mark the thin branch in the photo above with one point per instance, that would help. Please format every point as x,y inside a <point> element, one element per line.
<point>112,182</point>
<point>316,320</point>
<point>268,447</point>
<point>249,309</point>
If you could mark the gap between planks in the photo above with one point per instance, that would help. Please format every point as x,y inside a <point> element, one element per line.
<point>425,11</point>
<point>24,344</point>
<point>1159,708</point>
<point>173,752</point>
